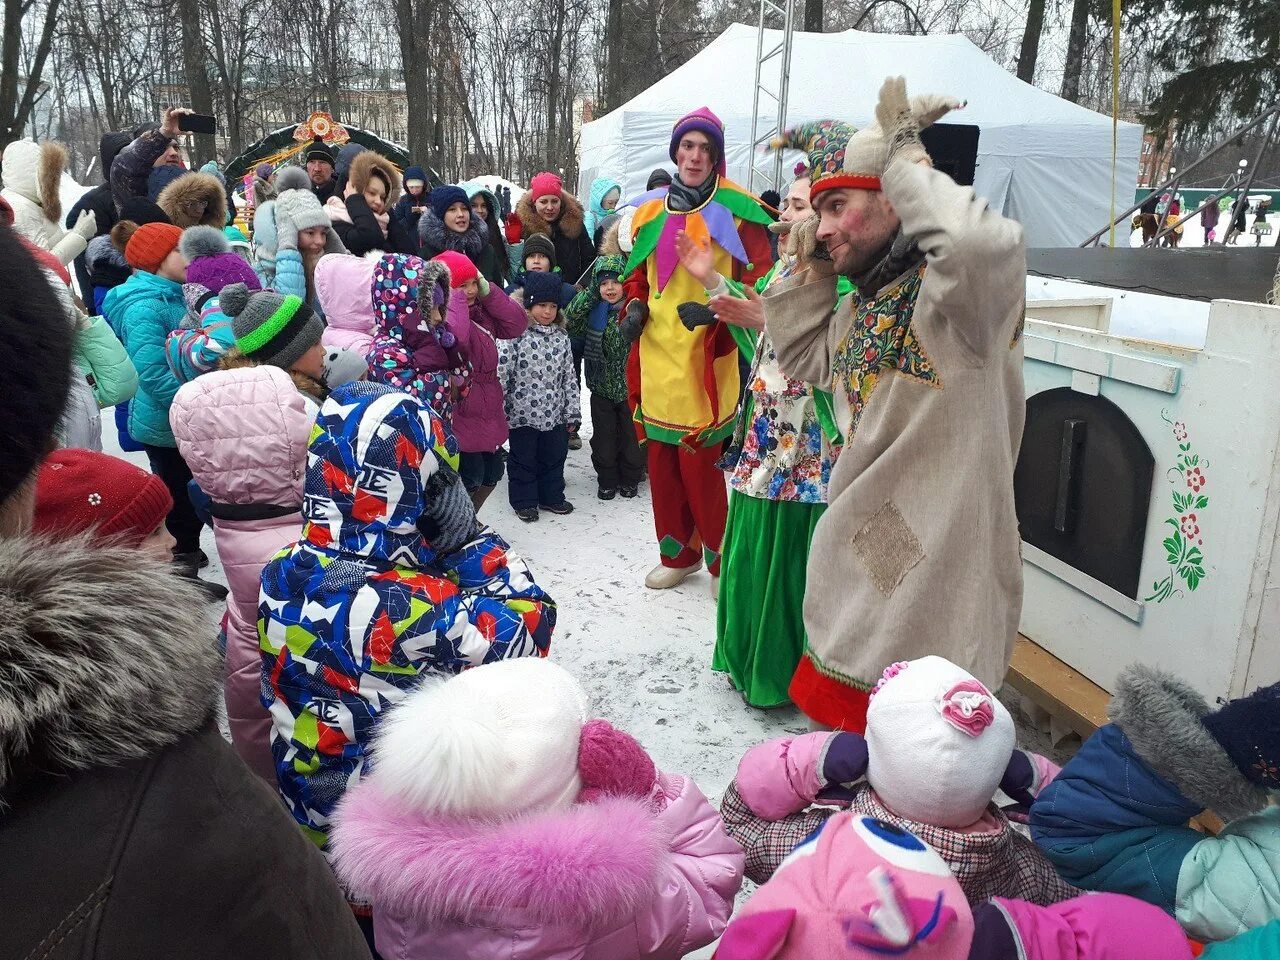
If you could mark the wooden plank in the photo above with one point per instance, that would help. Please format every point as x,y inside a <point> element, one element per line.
<point>1066,694</point>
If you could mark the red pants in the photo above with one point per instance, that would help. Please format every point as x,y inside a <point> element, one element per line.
<point>690,504</point>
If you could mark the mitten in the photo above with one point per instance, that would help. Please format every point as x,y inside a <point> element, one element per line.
<point>514,231</point>
<point>286,232</point>
<point>844,763</point>
<point>899,123</point>
<point>632,323</point>
<point>86,224</point>
<point>694,315</point>
<point>484,285</point>
<point>811,253</point>
<point>612,763</point>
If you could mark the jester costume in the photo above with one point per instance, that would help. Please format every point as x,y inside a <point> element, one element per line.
<point>392,580</point>
<point>684,384</point>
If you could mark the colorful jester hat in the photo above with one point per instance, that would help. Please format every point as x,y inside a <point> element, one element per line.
<point>824,141</point>
<point>716,220</point>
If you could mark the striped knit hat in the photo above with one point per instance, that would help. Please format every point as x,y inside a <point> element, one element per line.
<point>703,121</point>
<point>270,327</point>
<point>824,141</point>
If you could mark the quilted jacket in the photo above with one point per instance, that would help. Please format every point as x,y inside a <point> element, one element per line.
<point>144,310</point>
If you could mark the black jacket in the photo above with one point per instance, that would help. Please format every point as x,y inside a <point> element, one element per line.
<point>129,830</point>
<point>99,201</point>
<point>363,233</point>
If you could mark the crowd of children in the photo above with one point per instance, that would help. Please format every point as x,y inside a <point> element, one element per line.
<point>409,775</point>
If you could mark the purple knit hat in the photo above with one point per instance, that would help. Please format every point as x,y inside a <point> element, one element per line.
<point>703,121</point>
<point>211,263</point>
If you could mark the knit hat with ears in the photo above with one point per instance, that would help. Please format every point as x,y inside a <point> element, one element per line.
<point>211,263</point>
<point>494,740</point>
<point>81,490</point>
<point>701,120</point>
<point>543,244</point>
<point>545,184</point>
<point>938,743</point>
<point>271,328</point>
<point>867,153</point>
<point>145,247</point>
<point>540,287</point>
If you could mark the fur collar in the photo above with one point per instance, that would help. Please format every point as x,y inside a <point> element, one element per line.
<point>53,160</point>
<point>105,657</point>
<point>195,198</point>
<point>569,224</point>
<point>1161,717</point>
<point>435,235</point>
<point>307,385</point>
<point>589,864</point>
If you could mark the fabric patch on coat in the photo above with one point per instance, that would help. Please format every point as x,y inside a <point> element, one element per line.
<point>887,548</point>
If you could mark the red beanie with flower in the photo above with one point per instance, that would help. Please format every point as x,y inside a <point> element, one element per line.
<point>461,269</point>
<point>545,184</point>
<point>81,490</point>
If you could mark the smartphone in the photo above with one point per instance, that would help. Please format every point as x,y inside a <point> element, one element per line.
<point>198,123</point>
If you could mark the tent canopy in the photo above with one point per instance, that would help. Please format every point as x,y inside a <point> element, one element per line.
<point>1042,160</point>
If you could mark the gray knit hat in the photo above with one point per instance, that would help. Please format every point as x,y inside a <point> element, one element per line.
<point>272,328</point>
<point>296,201</point>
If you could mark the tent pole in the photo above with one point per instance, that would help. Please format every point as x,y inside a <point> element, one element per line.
<point>786,12</point>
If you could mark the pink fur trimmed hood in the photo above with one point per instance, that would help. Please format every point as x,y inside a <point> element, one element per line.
<point>585,865</point>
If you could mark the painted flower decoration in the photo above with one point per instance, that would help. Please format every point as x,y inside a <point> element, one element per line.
<point>95,499</point>
<point>1195,479</point>
<point>1180,432</point>
<point>1190,528</point>
<point>968,707</point>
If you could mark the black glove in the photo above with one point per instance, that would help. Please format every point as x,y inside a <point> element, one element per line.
<point>632,323</point>
<point>694,315</point>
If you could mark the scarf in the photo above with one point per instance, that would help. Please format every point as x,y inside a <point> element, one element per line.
<point>900,255</point>
<point>336,208</point>
<point>682,199</point>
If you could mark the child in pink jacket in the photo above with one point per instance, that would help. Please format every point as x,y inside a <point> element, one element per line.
<point>244,434</point>
<point>499,822</point>
<point>342,286</point>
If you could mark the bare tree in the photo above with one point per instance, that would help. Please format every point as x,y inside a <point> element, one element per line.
<point>1029,53</point>
<point>15,105</point>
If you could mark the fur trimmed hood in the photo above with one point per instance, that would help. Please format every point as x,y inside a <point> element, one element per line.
<point>570,222</point>
<point>34,171</point>
<point>1161,715</point>
<point>195,198</point>
<point>592,863</point>
<point>434,234</point>
<point>95,667</point>
<point>363,167</point>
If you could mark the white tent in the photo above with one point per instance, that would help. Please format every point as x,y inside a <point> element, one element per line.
<point>1041,160</point>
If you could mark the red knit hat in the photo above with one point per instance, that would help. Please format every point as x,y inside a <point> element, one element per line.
<point>545,184</point>
<point>461,269</point>
<point>145,247</point>
<point>80,490</point>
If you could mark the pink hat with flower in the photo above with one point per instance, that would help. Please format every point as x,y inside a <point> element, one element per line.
<point>938,742</point>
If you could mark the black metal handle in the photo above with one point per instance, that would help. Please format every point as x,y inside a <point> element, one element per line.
<point>1070,467</point>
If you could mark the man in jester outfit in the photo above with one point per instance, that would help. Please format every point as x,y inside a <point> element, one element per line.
<point>918,552</point>
<point>683,374</point>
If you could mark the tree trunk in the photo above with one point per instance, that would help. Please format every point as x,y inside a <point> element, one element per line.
<point>1075,51</point>
<point>416,59</point>
<point>15,111</point>
<point>1030,51</point>
<point>812,16</point>
<point>614,73</point>
<point>195,64</point>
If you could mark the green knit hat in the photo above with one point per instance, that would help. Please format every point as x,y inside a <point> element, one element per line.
<point>270,327</point>
<point>824,141</point>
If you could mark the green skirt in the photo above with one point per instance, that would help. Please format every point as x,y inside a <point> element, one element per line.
<point>760,617</point>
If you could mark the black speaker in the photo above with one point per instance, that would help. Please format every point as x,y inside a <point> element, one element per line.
<point>954,149</point>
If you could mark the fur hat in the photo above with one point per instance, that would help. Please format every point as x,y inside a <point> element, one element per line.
<point>541,287</point>
<point>543,244</point>
<point>210,261</point>
<point>938,742</point>
<point>704,121</point>
<point>195,198</point>
<point>442,198</point>
<point>318,150</point>
<point>867,152</point>
<point>145,247</point>
<point>494,740</point>
<point>81,491</point>
<point>460,269</point>
<point>271,328</point>
<point>824,141</point>
<point>35,364</point>
<point>545,184</point>
<point>369,163</point>
<point>857,887</point>
<point>1209,757</point>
